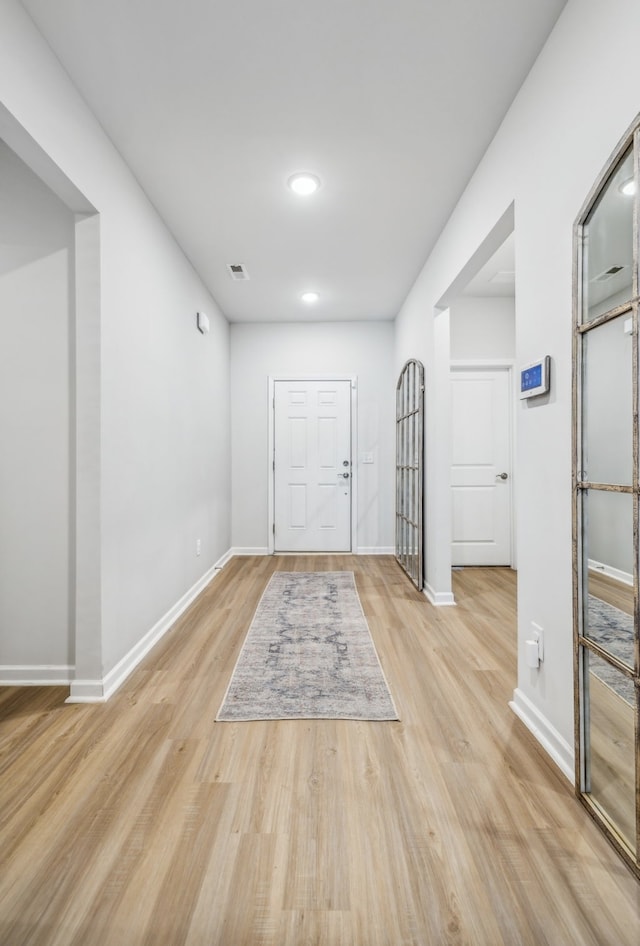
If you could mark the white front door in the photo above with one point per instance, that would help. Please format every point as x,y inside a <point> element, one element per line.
<point>312,466</point>
<point>481,466</point>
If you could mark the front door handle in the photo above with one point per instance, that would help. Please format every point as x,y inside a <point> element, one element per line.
<point>345,476</point>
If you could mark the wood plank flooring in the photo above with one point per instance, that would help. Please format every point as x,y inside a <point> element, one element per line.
<point>142,822</point>
<point>609,589</point>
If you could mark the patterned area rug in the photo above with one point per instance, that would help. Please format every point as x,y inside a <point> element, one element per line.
<point>308,655</point>
<point>612,629</point>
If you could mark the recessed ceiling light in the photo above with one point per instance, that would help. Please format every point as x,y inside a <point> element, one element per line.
<point>628,187</point>
<point>304,183</point>
<point>310,297</point>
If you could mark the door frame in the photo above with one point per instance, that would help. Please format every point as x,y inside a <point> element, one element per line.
<point>508,365</point>
<point>271,382</point>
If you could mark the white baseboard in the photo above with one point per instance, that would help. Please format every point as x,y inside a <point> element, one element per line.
<point>441,599</point>
<point>36,675</point>
<point>219,565</point>
<point>240,550</point>
<point>375,550</point>
<point>98,691</point>
<point>549,738</point>
<point>261,550</point>
<point>611,572</point>
<point>87,691</point>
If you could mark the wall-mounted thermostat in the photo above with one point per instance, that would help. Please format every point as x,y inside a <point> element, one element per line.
<point>534,378</point>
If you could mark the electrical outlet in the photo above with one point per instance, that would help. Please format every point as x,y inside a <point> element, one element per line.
<point>198,546</point>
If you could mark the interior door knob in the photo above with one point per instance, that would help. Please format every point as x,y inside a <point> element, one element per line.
<point>502,476</point>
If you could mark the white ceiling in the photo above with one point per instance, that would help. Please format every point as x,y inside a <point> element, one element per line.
<point>498,276</point>
<point>215,104</point>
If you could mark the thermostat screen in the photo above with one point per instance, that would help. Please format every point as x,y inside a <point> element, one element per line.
<point>531,378</point>
<point>534,378</point>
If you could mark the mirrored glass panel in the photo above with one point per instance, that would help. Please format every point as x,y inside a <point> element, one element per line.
<point>409,467</point>
<point>607,403</point>
<point>605,518</point>
<point>608,245</point>
<point>610,775</point>
<point>608,550</point>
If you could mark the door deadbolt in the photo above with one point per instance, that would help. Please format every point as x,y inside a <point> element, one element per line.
<point>345,463</point>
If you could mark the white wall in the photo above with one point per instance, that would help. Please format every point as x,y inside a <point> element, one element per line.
<point>36,568</point>
<point>364,349</point>
<point>482,328</point>
<point>164,454</point>
<point>576,103</point>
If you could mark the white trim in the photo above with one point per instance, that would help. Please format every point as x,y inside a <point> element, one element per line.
<point>549,738</point>
<point>353,379</point>
<point>441,599</point>
<point>223,560</point>
<point>98,691</point>
<point>87,537</point>
<point>375,550</point>
<point>610,572</point>
<point>240,551</point>
<point>460,364</point>
<point>36,675</point>
<point>86,691</point>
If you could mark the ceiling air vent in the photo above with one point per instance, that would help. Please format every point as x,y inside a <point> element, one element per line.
<point>238,271</point>
<point>608,273</point>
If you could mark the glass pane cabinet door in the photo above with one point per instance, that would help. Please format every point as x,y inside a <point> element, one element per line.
<point>606,484</point>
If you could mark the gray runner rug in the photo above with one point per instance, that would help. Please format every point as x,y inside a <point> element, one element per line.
<point>308,655</point>
<point>612,629</point>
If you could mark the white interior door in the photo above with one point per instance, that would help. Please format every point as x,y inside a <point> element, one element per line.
<point>312,466</point>
<point>481,467</point>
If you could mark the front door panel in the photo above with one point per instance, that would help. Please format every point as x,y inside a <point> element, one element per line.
<point>312,466</point>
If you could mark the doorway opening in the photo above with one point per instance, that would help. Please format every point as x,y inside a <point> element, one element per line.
<point>482,347</point>
<point>63,265</point>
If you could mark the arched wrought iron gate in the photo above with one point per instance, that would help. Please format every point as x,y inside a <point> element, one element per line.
<point>409,469</point>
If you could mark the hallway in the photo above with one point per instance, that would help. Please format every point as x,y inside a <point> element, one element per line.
<point>142,822</point>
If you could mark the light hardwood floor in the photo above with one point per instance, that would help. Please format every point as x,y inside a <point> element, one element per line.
<point>612,757</point>
<point>614,592</point>
<point>142,822</point>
